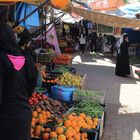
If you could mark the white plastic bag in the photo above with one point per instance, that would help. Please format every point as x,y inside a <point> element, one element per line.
<point>77,48</point>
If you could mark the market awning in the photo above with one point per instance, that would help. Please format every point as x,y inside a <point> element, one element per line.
<point>106,19</point>
<point>106,4</point>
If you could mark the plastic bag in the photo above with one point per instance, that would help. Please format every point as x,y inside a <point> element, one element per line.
<point>77,48</point>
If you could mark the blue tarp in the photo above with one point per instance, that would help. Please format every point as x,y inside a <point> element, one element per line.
<point>22,11</point>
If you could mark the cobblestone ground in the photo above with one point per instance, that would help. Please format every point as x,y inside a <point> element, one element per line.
<point>122,96</point>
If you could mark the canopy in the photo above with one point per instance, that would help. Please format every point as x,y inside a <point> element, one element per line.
<point>99,5</point>
<point>106,19</point>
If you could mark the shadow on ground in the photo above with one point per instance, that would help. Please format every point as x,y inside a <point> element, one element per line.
<point>121,96</point>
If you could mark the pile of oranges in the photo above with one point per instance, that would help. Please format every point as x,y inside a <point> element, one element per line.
<point>68,127</point>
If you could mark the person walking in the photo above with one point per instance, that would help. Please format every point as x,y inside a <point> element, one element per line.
<point>17,81</point>
<point>100,42</point>
<point>122,63</point>
<point>93,39</point>
<point>82,41</point>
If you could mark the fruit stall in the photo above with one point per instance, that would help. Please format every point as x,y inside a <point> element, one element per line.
<point>63,109</point>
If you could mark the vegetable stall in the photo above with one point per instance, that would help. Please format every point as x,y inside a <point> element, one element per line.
<point>63,109</point>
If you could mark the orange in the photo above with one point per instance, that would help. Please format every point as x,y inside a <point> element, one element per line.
<point>42,129</point>
<point>74,131</point>
<point>70,139</point>
<point>77,129</point>
<point>59,130</point>
<point>95,120</point>
<point>79,123</point>
<point>88,118</point>
<point>38,127</point>
<point>41,120</point>
<point>67,123</point>
<point>48,114</point>
<point>73,123</point>
<point>53,134</point>
<point>70,117</point>
<point>76,137</point>
<point>38,109</point>
<point>84,134</point>
<point>37,133</point>
<point>59,121</point>
<point>89,122</point>
<point>45,136</point>
<point>82,115</point>
<point>95,123</point>
<point>33,124</point>
<point>68,133</point>
<point>43,112</point>
<point>61,137</point>
<point>34,114</point>
<point>93,126</point>
<point>48,130</point>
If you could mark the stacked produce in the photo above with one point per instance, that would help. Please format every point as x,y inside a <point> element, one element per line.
<point>81,95</point>
<point>44,103</point>
<point>40,120</point>
<point>89,107</point>
<point>70,79</point>
<point>47,127</point>
<point>62,59</point>
<point>55,107</point>
<point>36,98</point>
<point>60,69</point>
<point>78,122</point>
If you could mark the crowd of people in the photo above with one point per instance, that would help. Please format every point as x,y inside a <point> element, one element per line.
<point>88,37</point>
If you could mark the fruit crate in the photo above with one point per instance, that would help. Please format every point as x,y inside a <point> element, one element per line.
<point>92,135</point>
<point>102,121</point>
<point>71,70</point>
<point>43,58</point>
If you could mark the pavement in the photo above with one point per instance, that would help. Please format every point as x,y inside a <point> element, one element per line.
<point>122,95</point>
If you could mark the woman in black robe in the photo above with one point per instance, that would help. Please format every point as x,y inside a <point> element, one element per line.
<point>17,81</point>
<point>122,64</point>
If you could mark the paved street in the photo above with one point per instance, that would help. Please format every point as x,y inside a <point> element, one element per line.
<point>122,96</point>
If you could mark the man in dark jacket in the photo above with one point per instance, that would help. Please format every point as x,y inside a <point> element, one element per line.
<point>93,39</point>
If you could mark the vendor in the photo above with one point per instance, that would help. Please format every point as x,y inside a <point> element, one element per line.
<point>17,81</point>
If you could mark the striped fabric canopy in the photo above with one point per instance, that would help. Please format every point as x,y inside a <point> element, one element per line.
<point>106,19</point>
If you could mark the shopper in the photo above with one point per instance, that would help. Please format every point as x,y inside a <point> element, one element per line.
<point>82,41</point>
<point>93,41</point>
<point>122,64</point>
<point>100,42</point>
<point>111,43</point>
<point>17,81</point>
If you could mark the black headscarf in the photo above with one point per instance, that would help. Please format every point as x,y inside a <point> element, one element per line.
<point>8,46</point>
<point>7,40</point>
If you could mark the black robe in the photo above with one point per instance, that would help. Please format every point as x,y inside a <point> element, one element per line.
<point>15,112</point>
<point>122,63</point>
